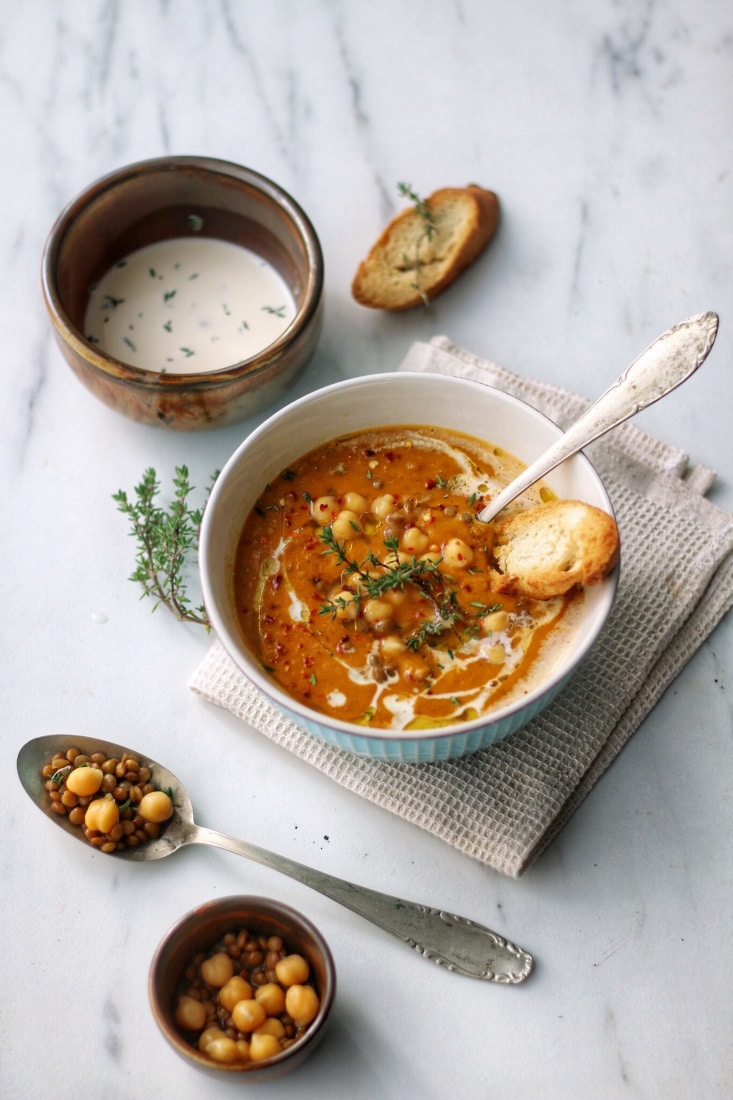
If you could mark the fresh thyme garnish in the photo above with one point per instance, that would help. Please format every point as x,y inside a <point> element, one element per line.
<point>167,542</point>
<point>373,577</point>
<point>278,311</point>
<point>422,208</point>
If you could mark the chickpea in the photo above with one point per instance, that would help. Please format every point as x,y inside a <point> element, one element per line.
<point>84,781</point>
<point>324,510</point>
<point>208,1036</point>
<point>292,970</point>
<point>223,1050</point>
<point>271,1026</point>
<point>383,505</point>
<point>234,991</point>
<point>155,806</point>
<point>190,1014</point>
<point>433,556</point>
<point>457,554</point>
<point>377,609</point>
<point>264,1046</point>
<point>415,670</point>
<point>494,621</point>
<point>346,525</point>
<point>248,1014</point>
<point>414,541</point>
<point>495,654</point>
<point>346,604</point>
<point>355,502</point>
<point>243,1048</point>
<point>217,970</point>
<point>102,815</point>
<point>301,1003</point>
<point>272,998</point>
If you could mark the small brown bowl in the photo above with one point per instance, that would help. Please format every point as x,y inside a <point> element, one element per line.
<point>198,931</point>
<point>173,197</point>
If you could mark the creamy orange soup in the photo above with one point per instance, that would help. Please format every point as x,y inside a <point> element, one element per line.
<point>363,583</point>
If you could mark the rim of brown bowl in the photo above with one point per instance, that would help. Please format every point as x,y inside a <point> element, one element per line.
<point>199,929</point>
<point>91,207</point>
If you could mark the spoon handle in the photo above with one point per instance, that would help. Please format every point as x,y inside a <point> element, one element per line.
<point>451,941</point>
<point>660,368</point>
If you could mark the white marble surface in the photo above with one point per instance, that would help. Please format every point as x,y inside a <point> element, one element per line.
<point>605,129</point>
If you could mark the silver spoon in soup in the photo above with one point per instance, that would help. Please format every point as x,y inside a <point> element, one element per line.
<point>660,368</point>
<point>55,768</point>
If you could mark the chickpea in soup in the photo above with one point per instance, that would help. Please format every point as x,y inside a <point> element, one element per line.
<point>363,583</point>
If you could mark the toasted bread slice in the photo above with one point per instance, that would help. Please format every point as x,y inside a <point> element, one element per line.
<point>547,550</point>
<point>415,259</point>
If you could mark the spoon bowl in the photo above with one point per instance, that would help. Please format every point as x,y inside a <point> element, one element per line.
<point>455,942</point>
<point>39,751</point>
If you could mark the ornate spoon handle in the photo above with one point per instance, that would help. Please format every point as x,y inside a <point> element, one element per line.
<point>451,941</point>
<point>660,368</point>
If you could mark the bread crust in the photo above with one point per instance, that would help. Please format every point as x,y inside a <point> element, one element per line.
<point>465,220</point>
<point>545,551</point>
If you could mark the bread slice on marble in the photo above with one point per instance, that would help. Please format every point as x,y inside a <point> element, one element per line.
<point>545,551</point>
<point>425,248</point>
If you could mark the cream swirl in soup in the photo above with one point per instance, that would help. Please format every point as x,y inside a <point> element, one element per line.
<point>189,305</point>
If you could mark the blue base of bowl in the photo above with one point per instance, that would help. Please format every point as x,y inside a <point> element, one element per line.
<point>425,750</point>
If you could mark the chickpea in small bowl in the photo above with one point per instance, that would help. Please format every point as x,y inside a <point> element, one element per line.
<point>243,985</point>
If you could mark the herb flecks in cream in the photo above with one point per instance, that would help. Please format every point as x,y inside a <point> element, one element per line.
<point>188,305</point>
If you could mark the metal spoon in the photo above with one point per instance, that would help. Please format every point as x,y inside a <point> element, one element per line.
<point>451,941</point>
<point>660,368</point>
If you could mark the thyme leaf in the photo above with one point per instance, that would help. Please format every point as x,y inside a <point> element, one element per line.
<point>428,228</point>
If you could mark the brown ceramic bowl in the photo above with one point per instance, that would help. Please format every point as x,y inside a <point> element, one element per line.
<point>198,931</point>
<point>174,197</point>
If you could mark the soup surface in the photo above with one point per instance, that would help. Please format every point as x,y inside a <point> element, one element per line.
<point>363,583</point>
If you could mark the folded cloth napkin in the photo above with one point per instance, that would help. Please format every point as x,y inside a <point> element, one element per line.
<point>503,805</point>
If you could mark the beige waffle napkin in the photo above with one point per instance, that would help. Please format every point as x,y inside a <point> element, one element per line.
<point>503,805</point>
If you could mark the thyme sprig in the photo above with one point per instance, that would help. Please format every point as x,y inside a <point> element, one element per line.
<point>167,542</point>
<point>429,227</point>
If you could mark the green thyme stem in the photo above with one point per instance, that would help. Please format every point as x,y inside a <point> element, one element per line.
<point>167,542</point>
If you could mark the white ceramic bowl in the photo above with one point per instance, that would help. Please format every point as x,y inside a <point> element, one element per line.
<point>374,401</point>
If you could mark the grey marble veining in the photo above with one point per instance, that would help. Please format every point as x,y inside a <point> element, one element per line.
<point>605,130</point>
